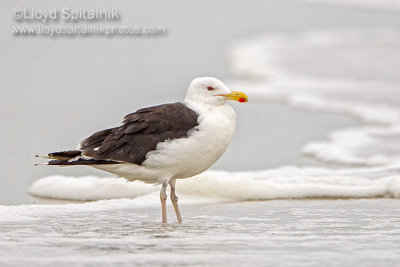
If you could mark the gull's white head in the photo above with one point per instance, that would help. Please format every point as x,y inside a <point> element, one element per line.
<point>209,90</point>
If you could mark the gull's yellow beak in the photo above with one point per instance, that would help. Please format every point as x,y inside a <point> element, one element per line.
<point>237,96</point>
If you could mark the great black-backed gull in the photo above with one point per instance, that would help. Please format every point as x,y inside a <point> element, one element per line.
<point>163,143</point>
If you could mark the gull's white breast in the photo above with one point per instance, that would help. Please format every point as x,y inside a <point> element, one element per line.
<point>185,157</point>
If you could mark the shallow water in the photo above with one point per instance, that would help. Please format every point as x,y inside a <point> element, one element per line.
<point>293,233</point>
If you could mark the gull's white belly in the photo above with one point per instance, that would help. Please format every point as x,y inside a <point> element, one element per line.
<point>185,157</point>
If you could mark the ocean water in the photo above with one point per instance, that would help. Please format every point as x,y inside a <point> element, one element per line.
<point>268,233</point>
<point>335,202</point>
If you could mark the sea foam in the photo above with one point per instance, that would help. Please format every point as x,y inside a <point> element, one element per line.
<point>350,72</point>
<point>281,183</point>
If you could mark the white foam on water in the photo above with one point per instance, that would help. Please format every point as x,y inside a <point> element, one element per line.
<point>88,188</point>
<point>353,72</point>
<point>282,183</point>
<point>367,146</point>
<point>289,183</point>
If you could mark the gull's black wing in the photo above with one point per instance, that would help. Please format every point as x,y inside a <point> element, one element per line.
<point>140,133</point>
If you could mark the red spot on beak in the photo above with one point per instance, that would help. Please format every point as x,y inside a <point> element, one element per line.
<point>241,100</point>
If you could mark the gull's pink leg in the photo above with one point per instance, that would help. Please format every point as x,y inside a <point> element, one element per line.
<point>174,200</point>
<point>163,198</point>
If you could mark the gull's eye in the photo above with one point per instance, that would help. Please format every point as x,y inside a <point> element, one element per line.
<point>210,88</point>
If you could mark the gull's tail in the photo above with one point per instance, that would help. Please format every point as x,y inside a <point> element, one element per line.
<point>62,155</point>
<point>73,157</point>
